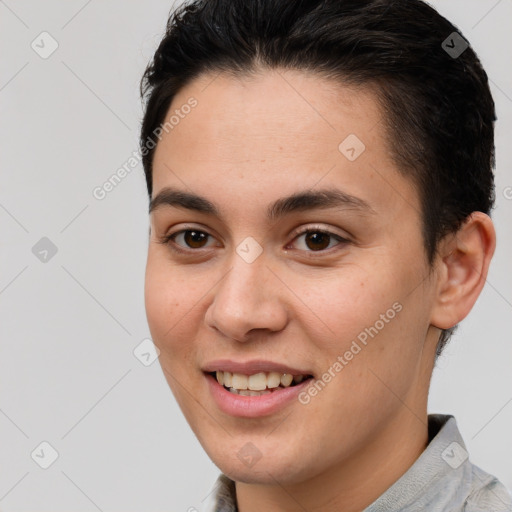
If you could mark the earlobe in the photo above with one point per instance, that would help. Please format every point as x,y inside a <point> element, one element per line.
<point>463,263</point>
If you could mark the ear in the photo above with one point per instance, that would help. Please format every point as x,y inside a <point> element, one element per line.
<point>463,262</point>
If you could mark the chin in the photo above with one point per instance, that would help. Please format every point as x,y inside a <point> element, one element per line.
<point>265,466</point>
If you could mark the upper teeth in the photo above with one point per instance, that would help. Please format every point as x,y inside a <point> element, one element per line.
<point>258,381</point>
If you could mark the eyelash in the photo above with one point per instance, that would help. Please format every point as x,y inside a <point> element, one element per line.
<point>169,240</point>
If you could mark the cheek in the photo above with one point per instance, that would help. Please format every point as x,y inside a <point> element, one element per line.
<point>169,311</point>
<point>376,318</point>
<point>158,302</point>
<point>340,305</point>
<point>168,302</point>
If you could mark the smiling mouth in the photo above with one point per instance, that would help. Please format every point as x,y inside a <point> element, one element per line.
<point>262,383</point>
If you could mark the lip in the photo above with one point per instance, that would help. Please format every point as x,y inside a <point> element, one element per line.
<point>251,367</point>
<point>253,406</point>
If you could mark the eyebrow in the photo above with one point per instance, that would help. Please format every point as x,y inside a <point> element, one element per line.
<point>297,202</point>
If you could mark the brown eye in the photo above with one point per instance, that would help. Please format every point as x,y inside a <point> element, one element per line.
<point>314,240</point>
<point>317,241</point>
<point>187,239</point>
<point>195,239</point>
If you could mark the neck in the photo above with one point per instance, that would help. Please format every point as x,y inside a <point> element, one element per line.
<point>354,484</point>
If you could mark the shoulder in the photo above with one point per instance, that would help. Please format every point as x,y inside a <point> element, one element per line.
<point>487,493</point>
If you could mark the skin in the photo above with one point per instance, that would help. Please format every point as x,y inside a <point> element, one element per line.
<point>248,142</point>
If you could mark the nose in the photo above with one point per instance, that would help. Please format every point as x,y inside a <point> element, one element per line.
<point>248,300</point>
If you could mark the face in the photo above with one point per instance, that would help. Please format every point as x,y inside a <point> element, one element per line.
<point>285,245</point>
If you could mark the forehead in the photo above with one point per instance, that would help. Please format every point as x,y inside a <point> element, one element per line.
<point>274,132</point>
<point>272,111</point>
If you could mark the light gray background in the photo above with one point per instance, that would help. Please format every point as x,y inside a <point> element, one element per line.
<point>69,326</point>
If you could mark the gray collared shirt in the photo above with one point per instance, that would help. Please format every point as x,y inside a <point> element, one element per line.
<point>441,479</point>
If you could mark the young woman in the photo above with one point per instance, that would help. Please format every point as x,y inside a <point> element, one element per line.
<point>320,182</point>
